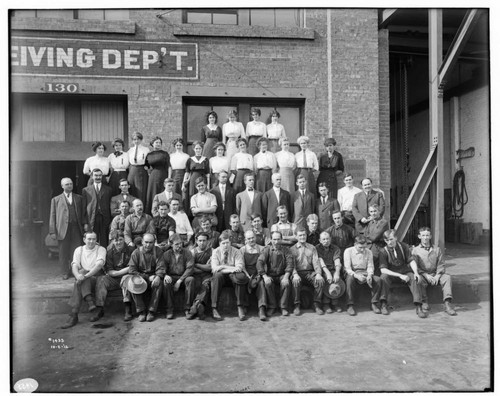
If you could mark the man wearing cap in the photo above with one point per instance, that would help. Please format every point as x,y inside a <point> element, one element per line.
<point>164,226</point>
<point>115,267</point>
<point>307,269</point>
<point>358,264</point>
<point>179,265</point>
<point>361,203</point>
<point>342,235</point>
<point>166,196</point>
<point>286,228</point>
<point>87,264</point>
<point>227,266</point>
<point>147,262</point>
<point>203,203</point>
<point>97,198</point>
<point>182,225</point>
<point>124,196</point>
<point>251,252</point>
<point>226,201</point>
<point>202,274</point>
<point>329,256</point>
<point>137,224</point>
<point>248,201</point>
<point>345,197</point>
<point>275,266</point>
<point>273,198</point>
<point>68,219</point>
<point>398,264</point>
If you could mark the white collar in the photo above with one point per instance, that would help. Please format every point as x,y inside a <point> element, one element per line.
<point>202,158</point>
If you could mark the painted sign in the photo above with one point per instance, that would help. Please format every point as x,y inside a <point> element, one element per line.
<point>30,56</point>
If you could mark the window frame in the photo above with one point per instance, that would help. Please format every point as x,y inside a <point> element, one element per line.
<point>212,11</point>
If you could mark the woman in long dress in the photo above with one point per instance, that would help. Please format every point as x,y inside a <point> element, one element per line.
<point>275,131</point>
<point>137,174</point>
<point>119,164</point>
<point>307,163</point>
<point>287,165</point>
<point>97,161</point>
<point>331,164</point>
<point>196,166</point>
<point>210,134</point>
<point>241,163</point>
<point>178,160</point>
<point>264,163</point>
<point>231,131</point>
<point>255,130</point>
<point>158,161</point>
<point>218,163</point>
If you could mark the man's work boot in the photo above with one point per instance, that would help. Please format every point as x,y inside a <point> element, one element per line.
<point>375,308</point>
<point>448,308</point>
<point>296,310</point>
<point>327,308</point>
<point>216,314</point>
<point>241,312</point>
<point>425,306</point>
<point>128,313</point>
<point>262,313</point>
<point>201,311</point>
<point>318,309</point>
<point>350,310</point>
<point>142,317</point>
<point>150,317</point>
<point>384,309</point>
<point>73,320</point>
<point>420,312</point>
<point>99,313</point>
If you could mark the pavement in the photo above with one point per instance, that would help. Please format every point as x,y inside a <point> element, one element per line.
<point>309,353</point>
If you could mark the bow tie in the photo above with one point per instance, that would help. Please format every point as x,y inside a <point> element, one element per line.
<point>118,153</point>
<point>250,189</point>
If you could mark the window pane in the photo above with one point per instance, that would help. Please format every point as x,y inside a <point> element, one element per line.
<point>199,17</point>
<point>91,14</point>
<point>262,17</point>
<point>43,121</point>
<point>24,13</point>
<point>225,19</point>
<point>101,121</point>
<point>196,119</point>
<point>287,17</point>
<point>63,14</point>
<point>116,15</point>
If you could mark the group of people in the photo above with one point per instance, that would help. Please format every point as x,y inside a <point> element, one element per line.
<point>242,224</point>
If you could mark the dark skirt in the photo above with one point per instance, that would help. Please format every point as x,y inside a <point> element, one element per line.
<point>239,180</point>
<point>155,186</point>
<point>309,175</point>
<point>252,145</point>
<point>273,145</point>
<point>178,176</point>
<point>114,181</point>
<point>263,182</point>
<point>138,180</point>
<point>329,177</point>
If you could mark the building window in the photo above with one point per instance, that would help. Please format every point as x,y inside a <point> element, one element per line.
<point>102,15</point>
<point>273,17</point>
<point>196,109</point>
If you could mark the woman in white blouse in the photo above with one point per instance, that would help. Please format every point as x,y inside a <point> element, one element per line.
<point>287,165</point>
<point>241,163</point>
<point>98,161</point>
<point>255,130</point>
<point>275,131</point>
<point>178,160</point>
<point>231,131</point>
<point>218,163</point>
<point>307,163</point>
<point>137,174</point>
<point>264,163</point>
<point>119,164</point>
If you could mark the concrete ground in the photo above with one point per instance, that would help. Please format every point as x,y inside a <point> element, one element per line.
<point>309,353</point>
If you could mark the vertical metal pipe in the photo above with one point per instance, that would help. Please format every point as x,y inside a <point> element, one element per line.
<point>329,71</point>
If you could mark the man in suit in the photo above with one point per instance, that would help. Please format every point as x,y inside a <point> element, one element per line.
<point>248,202</point>
<point>273,198</point>
<point>226,202</point>
<point>97,199</point>
<point>303,202</point>
<point>67,224</point>
<point>325,206</point>
<point>165,196</point>
<point>118,199</point>
<point>361,203</point>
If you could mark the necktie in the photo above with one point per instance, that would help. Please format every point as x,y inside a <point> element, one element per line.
<point>323,201</point>
<point>135,156</point>
<point>97,188</point>
<point>305,159</point>
<point>226,254</point>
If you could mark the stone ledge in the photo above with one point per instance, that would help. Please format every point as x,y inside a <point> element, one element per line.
<point>208,30</point>
<point>73,25</point>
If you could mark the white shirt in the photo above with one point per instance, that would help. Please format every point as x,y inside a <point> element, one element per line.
<point>182,224</point>
<point>69,197</point>
<point>178,160</point>
<point>285,159</point>
<point>345,196</point>
<point>222,188</point>
<point>275,131</point>
<point>119,163</point>
<point>98,186</point>
<point>242,161</point>
<point>256,128</point>
<point>96,162</point>
<point>264,160</point>
<point>251,194</point>
<point>311,160</point>
<point>142,152</point>
<point>87,259</point>
<point>277,192</point>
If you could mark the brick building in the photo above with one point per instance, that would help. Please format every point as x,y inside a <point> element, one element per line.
<point>78,76</point>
